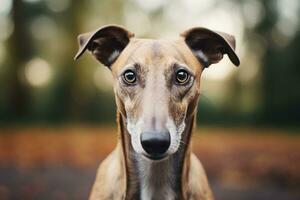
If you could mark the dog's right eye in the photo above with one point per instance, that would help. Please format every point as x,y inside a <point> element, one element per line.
<point>182,77</point>
<point>129,77</point>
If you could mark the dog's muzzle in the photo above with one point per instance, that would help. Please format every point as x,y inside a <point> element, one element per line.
<point>155,144</point>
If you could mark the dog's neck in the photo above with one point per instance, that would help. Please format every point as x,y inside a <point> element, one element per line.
<point>158,180</point>
<point>150,180</point>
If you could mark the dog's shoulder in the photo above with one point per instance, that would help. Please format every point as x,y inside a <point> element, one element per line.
<point>198,186</point>
<point>109,183</point>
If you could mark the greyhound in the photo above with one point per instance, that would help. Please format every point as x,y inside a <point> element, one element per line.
<point>156,87</point>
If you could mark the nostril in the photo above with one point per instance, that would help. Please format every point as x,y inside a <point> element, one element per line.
<point>155,144</point>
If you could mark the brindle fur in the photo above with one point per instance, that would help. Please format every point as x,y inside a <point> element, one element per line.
<point>119,175</point>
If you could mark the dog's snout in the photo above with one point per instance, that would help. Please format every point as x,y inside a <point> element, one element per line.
<point>155,144</point>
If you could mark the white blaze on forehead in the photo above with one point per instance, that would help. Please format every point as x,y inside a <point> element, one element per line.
<point>155,99</point>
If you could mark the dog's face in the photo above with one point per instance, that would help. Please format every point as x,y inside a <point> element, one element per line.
<point>157,82</point>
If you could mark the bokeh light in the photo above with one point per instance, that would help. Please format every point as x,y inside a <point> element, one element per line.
<point>38,72</point>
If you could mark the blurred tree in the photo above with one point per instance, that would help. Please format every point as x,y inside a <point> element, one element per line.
<point>20,48</point>
<point>280,70</point>
<point>72,93</point>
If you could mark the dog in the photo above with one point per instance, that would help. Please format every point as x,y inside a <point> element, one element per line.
<point>156,87</point>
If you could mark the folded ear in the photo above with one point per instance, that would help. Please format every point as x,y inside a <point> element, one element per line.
<point>105,44</point>
<point>210,46</point>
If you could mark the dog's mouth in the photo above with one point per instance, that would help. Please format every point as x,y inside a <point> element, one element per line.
<point>155,157</point>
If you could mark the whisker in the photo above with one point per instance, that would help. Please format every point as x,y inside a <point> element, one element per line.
<point>182,145</point>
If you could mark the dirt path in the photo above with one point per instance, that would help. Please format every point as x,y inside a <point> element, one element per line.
<point>60,163</point>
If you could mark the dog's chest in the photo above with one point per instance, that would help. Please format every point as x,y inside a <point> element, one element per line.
<point>155,193</point>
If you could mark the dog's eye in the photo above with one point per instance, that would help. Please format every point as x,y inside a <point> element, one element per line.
<point>182,76</point>
<point>129,76</point>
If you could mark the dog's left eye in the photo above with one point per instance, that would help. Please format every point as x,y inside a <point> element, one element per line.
<point>129,77</point>
<point>182,76</point>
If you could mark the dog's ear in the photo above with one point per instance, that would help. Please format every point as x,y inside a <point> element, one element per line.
<point>105,44</point>
<point>210,46</point>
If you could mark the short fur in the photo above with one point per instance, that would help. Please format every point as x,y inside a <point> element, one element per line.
<point>155,104</point>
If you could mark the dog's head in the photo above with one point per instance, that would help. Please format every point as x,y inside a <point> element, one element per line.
<point>157,82</point>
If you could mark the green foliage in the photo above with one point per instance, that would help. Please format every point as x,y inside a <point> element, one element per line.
<point>64,91</point>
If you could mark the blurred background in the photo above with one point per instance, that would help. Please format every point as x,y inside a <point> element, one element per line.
<point>57,116</point>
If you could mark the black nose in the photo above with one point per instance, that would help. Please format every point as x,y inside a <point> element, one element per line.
<point>155,144</point>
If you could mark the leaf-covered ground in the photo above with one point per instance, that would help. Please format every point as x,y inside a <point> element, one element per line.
<point>60,163</point>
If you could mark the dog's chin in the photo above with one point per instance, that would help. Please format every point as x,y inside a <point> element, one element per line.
<point>157,158</point>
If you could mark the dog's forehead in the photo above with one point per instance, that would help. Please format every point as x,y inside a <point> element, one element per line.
<point>157,53</point>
